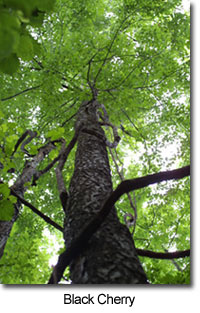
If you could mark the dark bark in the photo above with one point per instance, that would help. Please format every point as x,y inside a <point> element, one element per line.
<point>110,256</point>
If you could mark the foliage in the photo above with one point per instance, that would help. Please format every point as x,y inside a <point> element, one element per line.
<point>26,257</point>
<point>136,53</point>
<point>15,41</point>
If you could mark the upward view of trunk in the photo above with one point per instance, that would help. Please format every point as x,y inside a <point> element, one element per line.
<point>110,257</point>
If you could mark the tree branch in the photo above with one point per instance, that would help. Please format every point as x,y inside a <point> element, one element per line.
<point>20,93</point>
<point>80,243</point>
<point>62,157</point>
<point>23,136</point>
<point>109,50</point>
<point>43,216</point>
<point>163,255</point>
<point>131,72</point>
<point>106,122</point>
<point>68,119</point>
<point>141,182</point>
<point>37,175</point>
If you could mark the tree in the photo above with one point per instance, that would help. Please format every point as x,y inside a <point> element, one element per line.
<point>103,99</point>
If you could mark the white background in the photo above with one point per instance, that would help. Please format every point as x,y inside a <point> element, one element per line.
<point>149,298</point>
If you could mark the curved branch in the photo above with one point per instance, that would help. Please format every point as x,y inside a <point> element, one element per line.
<point>62,155</point>
<point>43,216</point>
<point>23,136</point>
<point>163,255</point>
<point>37,175</point>
<point>31,134</point>
<point>106,122</point>
<point>80,243</point>
<point>117,138</point>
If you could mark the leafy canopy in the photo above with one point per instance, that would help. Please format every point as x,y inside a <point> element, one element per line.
<point>136,54</point>
<point>15,41</point>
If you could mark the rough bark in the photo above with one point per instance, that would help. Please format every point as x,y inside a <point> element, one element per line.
<point>110,257</point>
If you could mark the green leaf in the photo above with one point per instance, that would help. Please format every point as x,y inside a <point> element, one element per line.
<point>56,133</point>
<point>8,20</point>
<point>13,199</point>
<point>53,154</point>
<point>37,20</point>
<point>8,41</point>
<point>61,250</point>
<point>4,127</point>
<point>6,210</point>
<point>33,149</point>
<point>25,48</point>
<point>1,115</point>
<point>4,191</point>
<point>10,64</point>
<point>25,6</point>
<point>46,5</point>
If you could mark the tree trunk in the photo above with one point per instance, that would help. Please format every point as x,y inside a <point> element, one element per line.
<point>110,257</point>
